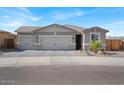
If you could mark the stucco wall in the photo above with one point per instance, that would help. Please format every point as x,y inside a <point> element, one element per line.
<point>59,30</point>
<point>49,31</point>
<point>102,38</point>
<point>4,36</point>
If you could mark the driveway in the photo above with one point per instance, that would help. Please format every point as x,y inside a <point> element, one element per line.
<point>38,53</point>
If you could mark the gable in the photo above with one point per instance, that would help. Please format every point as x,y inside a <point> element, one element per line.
<point>55,28</point>
<point>96,29</point>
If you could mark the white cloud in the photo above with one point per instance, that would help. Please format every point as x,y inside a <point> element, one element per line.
<point>25,10</point>
<point>14,24</point>
<point>26,13</point>
<point>6,16</point>
<point>35,18</point>
<point>22,13</point>
<point>73,12</point>
<point>16,17</point>
<point>58,15</point>
<point>115,27</point>
<point>115,24</point>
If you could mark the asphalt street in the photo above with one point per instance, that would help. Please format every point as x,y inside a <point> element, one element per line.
<point>62,75</point>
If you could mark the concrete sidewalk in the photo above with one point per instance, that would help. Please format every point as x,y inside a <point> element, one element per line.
<point>62,60</point>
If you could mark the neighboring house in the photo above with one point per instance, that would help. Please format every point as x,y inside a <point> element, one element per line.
<point>7,40</point>
<point>59,37</point>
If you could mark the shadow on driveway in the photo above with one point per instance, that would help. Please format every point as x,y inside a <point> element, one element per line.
<point>11,50</point>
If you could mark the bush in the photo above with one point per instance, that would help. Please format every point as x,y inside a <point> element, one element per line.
<point>95,46</point>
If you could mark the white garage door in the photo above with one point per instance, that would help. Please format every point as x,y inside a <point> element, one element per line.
<point>26,42</point>
<point>56,43</point>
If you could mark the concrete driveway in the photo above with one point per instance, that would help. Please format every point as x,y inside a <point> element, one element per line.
<point>38,53</point>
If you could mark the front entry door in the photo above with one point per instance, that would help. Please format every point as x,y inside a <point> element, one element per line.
<point>78,42</point>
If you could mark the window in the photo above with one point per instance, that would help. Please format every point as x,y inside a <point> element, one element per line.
<point>95,36</point>
<point>37,41</point>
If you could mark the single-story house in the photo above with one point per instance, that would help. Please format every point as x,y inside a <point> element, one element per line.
<point>59,37</point>
<point>7,40</point>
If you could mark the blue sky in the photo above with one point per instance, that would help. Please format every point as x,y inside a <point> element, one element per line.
<point>108,18</point>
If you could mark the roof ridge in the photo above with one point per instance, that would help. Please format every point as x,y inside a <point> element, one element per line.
<point>71,25</point>
<point>31,26</point>
<point>75,26</point>
<point>4,31</point>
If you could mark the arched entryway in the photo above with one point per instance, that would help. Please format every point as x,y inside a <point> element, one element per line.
<point>9,43</point>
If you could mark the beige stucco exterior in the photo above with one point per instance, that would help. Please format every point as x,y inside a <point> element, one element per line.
<point>3,37</point>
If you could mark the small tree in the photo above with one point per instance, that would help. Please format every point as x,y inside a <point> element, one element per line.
<point>95,46</point>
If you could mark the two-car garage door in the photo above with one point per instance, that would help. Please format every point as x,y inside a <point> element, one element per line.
<point>56,43</point>
<point>48,43</point>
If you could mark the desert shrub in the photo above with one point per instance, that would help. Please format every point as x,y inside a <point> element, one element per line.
<point>95,46</point>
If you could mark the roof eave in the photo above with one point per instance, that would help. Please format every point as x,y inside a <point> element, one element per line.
<point>97,28</point>
<point>18,29</point>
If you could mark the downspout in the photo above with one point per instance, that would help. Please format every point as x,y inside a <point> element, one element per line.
<point>83,41</point>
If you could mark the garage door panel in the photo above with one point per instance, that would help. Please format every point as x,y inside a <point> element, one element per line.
<point>26,43</point>
<point>56,43</point>
<point>46,43</point>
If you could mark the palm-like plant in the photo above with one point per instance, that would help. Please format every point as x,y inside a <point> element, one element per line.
<point>95,46</point>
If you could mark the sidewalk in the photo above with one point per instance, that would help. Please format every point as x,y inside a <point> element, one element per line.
<point>62,60</point>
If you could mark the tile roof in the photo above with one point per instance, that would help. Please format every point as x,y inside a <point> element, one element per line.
<point>8,33</point>
<point>30,29</point>
<point>3,31</point>
<point>95,27</point>
<point>27,29</point>
<point>80,29</point>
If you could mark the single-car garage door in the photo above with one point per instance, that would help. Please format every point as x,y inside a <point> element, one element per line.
<point>26,43</point>
<point>56,42</point>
